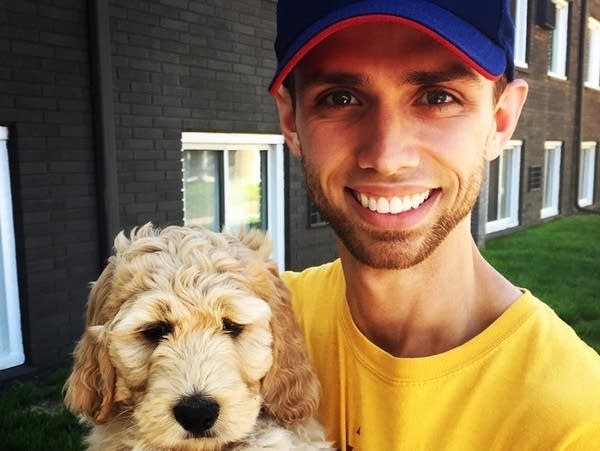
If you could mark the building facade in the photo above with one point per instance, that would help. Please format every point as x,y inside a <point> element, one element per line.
<point>549,167</point>
<point>115,113</point>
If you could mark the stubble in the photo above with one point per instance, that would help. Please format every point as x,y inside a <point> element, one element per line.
<point>395,249</point>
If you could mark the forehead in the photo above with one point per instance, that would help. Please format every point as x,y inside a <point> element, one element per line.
<point>373,48</point>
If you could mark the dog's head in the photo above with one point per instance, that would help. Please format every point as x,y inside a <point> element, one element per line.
<point>192,333</point>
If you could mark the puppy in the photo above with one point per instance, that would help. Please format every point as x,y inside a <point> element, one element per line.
<point>191,344</point>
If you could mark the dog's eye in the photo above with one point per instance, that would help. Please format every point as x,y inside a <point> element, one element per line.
<point>156,332</point>
<point>231,328</point>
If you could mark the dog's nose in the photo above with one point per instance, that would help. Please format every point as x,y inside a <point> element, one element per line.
<point>196,413</point>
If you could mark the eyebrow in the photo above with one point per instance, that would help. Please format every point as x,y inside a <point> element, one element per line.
<point>334,78</point>
<point>453,72</point>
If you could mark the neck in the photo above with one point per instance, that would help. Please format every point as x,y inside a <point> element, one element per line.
<point>431,307</point>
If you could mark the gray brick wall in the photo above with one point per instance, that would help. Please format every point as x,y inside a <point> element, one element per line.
<point>44,100</point>
<point>548,114</point>
<point>177,65</point>
<point>184,66</point>
<point>308,246</point>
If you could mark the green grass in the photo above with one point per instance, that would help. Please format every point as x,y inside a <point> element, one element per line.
<point>560,263</point>
<point>32,416</point>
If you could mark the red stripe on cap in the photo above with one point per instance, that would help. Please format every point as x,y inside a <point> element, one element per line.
<point>321,36</point>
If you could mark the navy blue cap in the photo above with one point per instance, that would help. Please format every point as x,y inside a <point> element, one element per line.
<point>480,32</point>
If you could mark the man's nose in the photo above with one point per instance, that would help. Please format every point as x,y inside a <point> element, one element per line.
<point>389,143</point>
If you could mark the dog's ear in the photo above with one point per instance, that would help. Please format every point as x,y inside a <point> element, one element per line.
<point>90,387</point>
<point>258,241</point>
<point>89,390</point>
<point>290,388</point>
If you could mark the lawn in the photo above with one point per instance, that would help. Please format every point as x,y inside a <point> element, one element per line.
<point>558,261</point>
<point>32,416</point>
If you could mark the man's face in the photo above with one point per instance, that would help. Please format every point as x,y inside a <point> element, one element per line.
<point>393,132</point>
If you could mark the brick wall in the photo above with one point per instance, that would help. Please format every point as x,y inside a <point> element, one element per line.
<point>184,66</point>
<point>177,65</point>
<point>44,100</point>
<point>307,246</point>
<point>195,66</point>
<point>548,114</point>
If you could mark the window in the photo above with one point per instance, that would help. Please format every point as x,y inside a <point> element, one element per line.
<point>587,165</point>
<point>315,219</point>
<point>560,37</point>
<point>593,69</point>
<point>11,343</point>
<point>520,49</point>
<point>552,154</point>
<point>503,189</point>
<point>233,181</point>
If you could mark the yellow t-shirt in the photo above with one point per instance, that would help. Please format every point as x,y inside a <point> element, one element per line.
<point>527,382</point>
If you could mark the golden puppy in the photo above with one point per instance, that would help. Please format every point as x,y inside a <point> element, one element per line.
<point>191,344</point>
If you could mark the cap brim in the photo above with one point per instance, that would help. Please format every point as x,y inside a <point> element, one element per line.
<point>462,39</point>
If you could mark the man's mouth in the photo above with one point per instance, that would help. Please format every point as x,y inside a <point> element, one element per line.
<point>392,205</point>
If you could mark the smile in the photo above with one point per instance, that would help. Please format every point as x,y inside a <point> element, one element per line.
<point>393,205</point>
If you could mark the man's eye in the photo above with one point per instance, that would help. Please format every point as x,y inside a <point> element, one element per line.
<point>340,98</point>
<point>437,97</point>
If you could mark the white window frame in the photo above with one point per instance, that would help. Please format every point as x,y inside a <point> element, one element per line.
<point>593,61</point>
<point>587,169</point>
<point>275,170</point>
<point>520,46</point>
<point>512,220</point>
<point>11,339</point>
<point>560,41</point>
<point>551,179</point>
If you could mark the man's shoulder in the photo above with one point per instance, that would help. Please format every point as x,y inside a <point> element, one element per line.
<point>314,275</point>
<point>557,336</point>
<point>311,286</point>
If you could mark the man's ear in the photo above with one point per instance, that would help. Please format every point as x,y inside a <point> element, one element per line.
<point>287,120</point>
<point>506,117</point>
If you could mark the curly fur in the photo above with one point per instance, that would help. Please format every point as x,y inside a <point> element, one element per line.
<point>158,334</point>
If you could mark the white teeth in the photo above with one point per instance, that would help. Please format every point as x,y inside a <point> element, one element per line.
<point>415,201</point>
<point>393,205</point>
<point>383,206</point>
<point>373,204</point>
<point>406,204</point>
<point>364,200</point>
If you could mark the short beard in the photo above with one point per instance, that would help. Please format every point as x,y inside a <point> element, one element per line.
<point>393,249</point>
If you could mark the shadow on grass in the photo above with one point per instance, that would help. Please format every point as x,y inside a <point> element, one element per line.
<point>33,418</point>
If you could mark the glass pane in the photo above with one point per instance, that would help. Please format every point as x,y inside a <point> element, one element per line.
<point>246,187</point>
<point>586,181</point>
<point>493,190</point>
<point>506,175</point>
<point>201,193</point>
<point>520,15</point>
<point>548,175</point>
<point>582,174</point>
<point>593,76</point>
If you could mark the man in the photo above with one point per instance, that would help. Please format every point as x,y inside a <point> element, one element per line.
<point>393,108</point>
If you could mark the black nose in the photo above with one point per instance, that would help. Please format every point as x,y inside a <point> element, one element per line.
<point>196,413</point>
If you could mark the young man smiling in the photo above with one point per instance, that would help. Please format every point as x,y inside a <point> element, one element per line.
<point>394,108</point>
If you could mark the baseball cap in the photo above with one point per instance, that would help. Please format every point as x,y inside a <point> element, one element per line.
<point>480,32</point>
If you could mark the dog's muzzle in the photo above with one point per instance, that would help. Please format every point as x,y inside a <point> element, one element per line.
<point>196,414</point>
